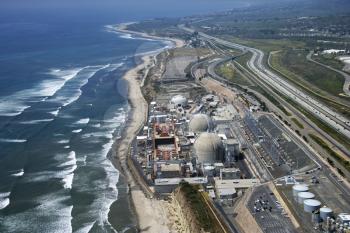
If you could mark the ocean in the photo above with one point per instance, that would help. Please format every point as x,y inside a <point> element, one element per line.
<point>62,104</point>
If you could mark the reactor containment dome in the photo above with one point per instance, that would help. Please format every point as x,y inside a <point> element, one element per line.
<point>200,123</point>
<point>179,100</point>
<point>209,148</point>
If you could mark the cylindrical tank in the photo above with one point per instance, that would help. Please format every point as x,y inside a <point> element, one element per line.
<point>299,188</point>
<point>326,212</point>
<point>311,205</point>
<point>316,217</point>
<point>304,195</point>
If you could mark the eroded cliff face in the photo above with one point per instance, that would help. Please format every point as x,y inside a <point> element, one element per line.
<point>182,216</point>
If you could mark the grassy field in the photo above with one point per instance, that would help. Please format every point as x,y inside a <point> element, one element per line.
<point>326,97</point>
<point>330,60</point>
<point>268,45</point>
<point>301,126</point>
<point>227,71</point>
<point>293,64</point>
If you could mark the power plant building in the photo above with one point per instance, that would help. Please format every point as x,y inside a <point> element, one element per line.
<point>209,148</point>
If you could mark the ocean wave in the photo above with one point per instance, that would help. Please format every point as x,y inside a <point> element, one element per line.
<point>107,135</point>
<point>72,162</point>
<point>75,91</point>
<point>52,208</point>
<point>63,141</point>
<point>86,228</point>
<point>55,112</point>
<point>4,200</point>
<point>16,103</point>
<point>13,140</point>
<point>77,130</point>
<point>18,173</point>
<point>83,121</point>
<point>98,125</point>
<point>35,121</point>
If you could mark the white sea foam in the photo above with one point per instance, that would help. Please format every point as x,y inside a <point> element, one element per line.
<point>3,195</point>
<point>11,107</point>
<point>55,113</point>
<point>50,87</point>
<point>32,122</point>
<point>4,200</point>
<point>86,228</point>
<point>77,130</point>
<point>66,147</point>
<point>52,207</point>
<point>72,164</point>
<point>13,140</point>
<point>63,141</point>
<point>83,121</point>
<point>89,71</point>
<point>18,173</point>
<point>98,125</point>
<point>98,134</point>
<point>16,103</point>
<point>72,160</point>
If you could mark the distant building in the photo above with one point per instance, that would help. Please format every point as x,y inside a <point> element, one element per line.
<point>343,218</point>
<point>230,187</point>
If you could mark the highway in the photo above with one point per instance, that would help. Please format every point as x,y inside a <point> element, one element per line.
<point>255,64</point>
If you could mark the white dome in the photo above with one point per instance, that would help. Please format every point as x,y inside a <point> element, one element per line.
<point>179,100</point>
<point>209,148</point>
<point>200,123</point>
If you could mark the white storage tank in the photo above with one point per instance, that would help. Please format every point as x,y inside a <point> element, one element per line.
<point>299,188</point>
<point>305,195</point>
<point>311,205</point>
<point>326,212</point>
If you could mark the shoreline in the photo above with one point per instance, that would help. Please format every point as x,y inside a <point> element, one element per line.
<point>122,27</point>
<point>151,214</point>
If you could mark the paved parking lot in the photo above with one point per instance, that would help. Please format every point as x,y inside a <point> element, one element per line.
<point>272,219</point>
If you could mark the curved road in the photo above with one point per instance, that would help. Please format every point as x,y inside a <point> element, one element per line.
<point>332,118</point>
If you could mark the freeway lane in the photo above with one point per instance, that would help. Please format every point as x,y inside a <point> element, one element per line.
<point>335,120</point>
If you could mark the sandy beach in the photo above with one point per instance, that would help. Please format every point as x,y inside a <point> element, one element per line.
<point>123,28</point>
<point>151,213</point>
